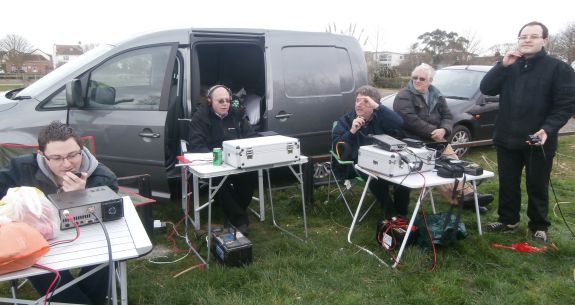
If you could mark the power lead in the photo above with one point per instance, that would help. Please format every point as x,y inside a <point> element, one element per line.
<point>159,224</point>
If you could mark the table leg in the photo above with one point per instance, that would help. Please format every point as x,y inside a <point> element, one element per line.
<point>300,180</point>
<point>123,273</point>
<point>358,209</point>
<point>261,194</point>
<point>476,207</point>
<point>406,238</point>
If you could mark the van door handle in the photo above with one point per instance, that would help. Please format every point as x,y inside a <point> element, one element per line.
<point>283,116</point>
<point>149,135</point>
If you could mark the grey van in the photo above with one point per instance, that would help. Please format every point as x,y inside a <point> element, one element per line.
<point>136,98</point>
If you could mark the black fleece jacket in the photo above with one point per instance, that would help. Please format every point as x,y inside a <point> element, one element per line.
<point>535,93</point>
<point>208,130</point>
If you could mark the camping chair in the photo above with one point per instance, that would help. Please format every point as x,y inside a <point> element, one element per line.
<point>345,184</point>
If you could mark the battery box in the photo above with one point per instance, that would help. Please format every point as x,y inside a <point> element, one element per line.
<point>231,247</point>
<point>260,151</point>
<point>398,163</point>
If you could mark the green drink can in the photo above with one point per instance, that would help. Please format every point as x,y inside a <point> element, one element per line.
<point>217,156</point>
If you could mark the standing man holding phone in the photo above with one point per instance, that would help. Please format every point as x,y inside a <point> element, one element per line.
<point>537,97</point>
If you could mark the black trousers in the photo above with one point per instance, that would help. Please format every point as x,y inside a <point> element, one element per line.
<point>91,290</point>
<point>391,207</point>
<point>538,165</point>
<point>235,196</point>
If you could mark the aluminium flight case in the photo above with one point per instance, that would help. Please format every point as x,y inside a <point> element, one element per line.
<point>389,163</point>
<point>260,151</point>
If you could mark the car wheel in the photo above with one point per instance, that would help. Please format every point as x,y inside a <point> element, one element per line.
<point>460,135</point>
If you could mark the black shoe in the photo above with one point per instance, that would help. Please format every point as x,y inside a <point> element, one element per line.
<point>483,199</point>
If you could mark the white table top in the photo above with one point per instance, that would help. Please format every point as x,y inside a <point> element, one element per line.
<point>418,180</point>
<point>205,169</point>
<point>127,235</point>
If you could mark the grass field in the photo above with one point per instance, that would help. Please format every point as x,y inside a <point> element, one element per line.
<point>328,270</point>
<point>8,87</point>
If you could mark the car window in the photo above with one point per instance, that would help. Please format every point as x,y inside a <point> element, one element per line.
<point>458,83</point>
<point>56,101</point>
<point>132,80</point>
<point>310,71</point>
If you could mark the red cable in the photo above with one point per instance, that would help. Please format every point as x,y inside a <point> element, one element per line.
<point>59,242</point>
<point>52,285</point>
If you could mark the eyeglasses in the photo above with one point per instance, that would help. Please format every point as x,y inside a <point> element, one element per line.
<point>531,37</point>
<point>60,159</point>
<point>421,79</point>
<point>224,101</point>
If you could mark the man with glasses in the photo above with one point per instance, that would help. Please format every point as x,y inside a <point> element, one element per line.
<point>536,97</point>
<point>213,123</point>
<point>427,118</point>
<point>62,164</point>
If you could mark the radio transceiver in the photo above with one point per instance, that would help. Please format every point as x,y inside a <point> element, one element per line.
<point>84,204</point>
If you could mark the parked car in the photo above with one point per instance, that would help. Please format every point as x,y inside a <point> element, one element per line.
<point>473,113</point>
<point>137,97</point>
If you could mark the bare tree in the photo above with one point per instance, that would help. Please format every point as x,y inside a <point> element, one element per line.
<point>350,30</point>
<point>16,49</point>
<point>562,45</point>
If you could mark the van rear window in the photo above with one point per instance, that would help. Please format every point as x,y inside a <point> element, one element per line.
<point>316,71</point>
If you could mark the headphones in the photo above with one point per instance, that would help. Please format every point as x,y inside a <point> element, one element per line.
<point>213,88</point>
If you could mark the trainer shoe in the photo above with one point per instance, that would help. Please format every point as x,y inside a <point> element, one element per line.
<point>500,227</point>
<point>540,237</point>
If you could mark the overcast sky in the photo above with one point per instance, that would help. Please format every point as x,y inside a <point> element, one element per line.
<point>398,23</point>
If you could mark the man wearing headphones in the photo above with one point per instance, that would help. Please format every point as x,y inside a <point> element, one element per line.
<point>213,123</point>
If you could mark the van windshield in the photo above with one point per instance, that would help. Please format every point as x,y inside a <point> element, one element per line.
<point>63,71</point>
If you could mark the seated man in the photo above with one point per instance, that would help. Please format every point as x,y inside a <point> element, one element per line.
<point>60,155</point>
<point>428,118</point>
<point>212,124</point>
<point>371,118</point>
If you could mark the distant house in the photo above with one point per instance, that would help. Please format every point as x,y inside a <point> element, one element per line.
<point>65,53</point>
<point>35,62</point>
<point>388,59</point>
<point>38,62</point>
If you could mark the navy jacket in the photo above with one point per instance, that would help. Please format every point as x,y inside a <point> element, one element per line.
<point>384,121</point>
<point>536,93</point>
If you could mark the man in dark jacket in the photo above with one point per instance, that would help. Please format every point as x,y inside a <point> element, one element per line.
<point>536,97</point>
<point>61,155</point>
<point>211,125</point>
<point>353,130</point>
<point>427,118</point>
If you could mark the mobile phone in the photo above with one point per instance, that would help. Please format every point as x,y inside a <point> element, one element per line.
<point>78,174</point>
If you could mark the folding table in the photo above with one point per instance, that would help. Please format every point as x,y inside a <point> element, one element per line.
<point>206,170</point>
<point>414,181</point>
<point>128,240</point>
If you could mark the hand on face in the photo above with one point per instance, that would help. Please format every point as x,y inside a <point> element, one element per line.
<point>364,106</point>
<point>357,124</point>
<point>511,57</point>
<point>71,182</point>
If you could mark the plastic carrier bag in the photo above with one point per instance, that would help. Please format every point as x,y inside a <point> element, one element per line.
<point>22,246</point>
<point>29,205</point>
<point>444,228</point>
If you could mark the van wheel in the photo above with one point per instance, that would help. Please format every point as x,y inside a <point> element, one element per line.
<point>460,135</point>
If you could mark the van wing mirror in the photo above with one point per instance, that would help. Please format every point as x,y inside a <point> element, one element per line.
<point>74,95</point>
<point>104,95</point>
